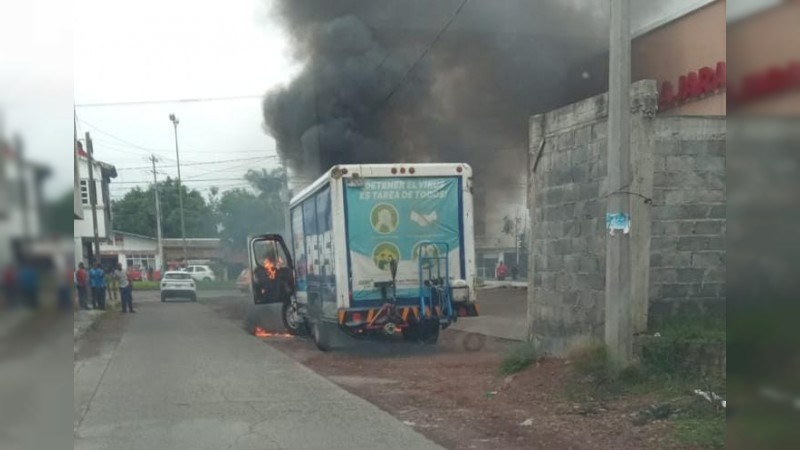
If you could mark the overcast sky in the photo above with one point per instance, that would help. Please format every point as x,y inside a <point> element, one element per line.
<point>178,49</point>
<point>55,52</point>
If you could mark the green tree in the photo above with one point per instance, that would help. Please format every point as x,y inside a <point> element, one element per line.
<point>136,212</point>
<point>242,213</point>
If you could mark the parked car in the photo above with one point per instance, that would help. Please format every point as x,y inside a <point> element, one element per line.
<point>243,281</point>
<point>201,273</point>
<point>178,284</point>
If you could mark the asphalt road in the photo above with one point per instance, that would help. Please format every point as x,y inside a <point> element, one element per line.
<point>179,376</point>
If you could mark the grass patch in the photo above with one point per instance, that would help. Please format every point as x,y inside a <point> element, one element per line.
<point>703,432</point>
<point>518,358</point>
<point>659,377</point>
<point>146,286</point>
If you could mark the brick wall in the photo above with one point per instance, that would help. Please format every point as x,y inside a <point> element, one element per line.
<point>687,255</point>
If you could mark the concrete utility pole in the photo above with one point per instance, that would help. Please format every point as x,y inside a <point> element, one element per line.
<point>93,196</point>
<point>175,123</point>
<point>160,260</point>
<point>618,301</point>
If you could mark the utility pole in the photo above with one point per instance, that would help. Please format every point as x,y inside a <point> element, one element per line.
<point>93,196</point>
<point>618,301</point>
<point>160,260</point>
<point>175,123</point>
<point>24,192</point>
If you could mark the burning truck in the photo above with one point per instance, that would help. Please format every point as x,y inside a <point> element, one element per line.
<point>376,250</point>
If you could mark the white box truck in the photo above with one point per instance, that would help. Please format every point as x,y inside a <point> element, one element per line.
<point>376,249</point>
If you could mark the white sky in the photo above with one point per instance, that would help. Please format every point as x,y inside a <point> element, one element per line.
<point>56,52</point>
<point>178,49</point>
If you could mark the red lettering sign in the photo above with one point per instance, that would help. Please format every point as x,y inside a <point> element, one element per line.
<point>757,85</point>
<point>693,85</point>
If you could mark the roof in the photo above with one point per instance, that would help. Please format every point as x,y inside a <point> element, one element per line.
<point>380,170</point>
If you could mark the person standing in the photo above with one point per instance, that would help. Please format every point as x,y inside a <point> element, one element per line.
<point>112,283</point>
<point>97,279</point>
<point>82,285</point>
<point>125,289</point>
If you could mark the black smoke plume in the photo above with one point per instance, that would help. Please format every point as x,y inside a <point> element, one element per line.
<point>469,98</point>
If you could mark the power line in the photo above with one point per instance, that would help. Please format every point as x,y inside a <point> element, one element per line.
<point>424,54</point>
<point>178,100</point>
<point>193,180</point>
<point>99,130</point>
<point>203,163</point>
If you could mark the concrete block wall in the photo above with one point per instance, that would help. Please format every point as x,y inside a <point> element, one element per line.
<point>677,213</point>
<point>687,257</point>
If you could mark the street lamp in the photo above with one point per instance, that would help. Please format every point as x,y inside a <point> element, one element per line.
<point>175,123</point>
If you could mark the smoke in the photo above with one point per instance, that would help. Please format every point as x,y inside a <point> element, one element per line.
<point>469,99</point>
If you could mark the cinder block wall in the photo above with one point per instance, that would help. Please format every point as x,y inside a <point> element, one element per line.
<point>687,258</point>
<point>677,165</point>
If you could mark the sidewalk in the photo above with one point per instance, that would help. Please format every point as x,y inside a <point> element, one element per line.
<point>503,312</point>
<point>83,320</point>
<point>490,284</point>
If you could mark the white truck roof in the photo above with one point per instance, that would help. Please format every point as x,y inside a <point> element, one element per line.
<point>382,170</point>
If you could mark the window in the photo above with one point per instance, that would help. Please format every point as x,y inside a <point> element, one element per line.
<point>177,276</point>
<point>84,192</point>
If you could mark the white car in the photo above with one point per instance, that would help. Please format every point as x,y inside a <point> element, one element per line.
<point>178,284</point>
<point>201,273</point>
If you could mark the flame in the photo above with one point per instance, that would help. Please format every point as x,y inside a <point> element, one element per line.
<point>262,333</point>
<point>270,268</point>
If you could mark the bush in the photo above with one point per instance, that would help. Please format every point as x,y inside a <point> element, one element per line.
<point>519,358</point>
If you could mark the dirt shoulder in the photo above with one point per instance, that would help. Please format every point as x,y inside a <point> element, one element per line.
<point>454,393</point>
<point>458,398</point>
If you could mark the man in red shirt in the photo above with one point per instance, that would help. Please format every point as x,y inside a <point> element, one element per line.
<point>82,284</point>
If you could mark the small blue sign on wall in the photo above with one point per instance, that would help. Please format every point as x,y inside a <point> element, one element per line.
<point>618,221</point>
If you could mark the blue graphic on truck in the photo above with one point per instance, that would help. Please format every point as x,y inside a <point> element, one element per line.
<point>387,218</point>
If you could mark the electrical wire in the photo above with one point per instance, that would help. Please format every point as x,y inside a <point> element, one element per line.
<point>424,53</point>
<point>178,100</point>
<point>191,164</point>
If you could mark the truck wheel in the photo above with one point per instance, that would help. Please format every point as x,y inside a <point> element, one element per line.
<point>425,332</point>
<point>163,298</point>
<point>194,297</point>
<point>320,335</point>
<point>295,323</point>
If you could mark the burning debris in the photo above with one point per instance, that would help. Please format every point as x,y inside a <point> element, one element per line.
<point>260,332</point>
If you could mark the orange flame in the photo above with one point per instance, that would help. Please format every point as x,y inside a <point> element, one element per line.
<point>270,268</point>
<point>262,333</point>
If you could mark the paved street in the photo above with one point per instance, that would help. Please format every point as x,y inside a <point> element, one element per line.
<point>179,376</point>
<point>503,313</point>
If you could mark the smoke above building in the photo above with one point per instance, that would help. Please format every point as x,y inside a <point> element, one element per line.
<point>423,81</point>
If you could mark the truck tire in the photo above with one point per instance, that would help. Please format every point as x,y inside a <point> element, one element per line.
<point>163,298</point>
<point>294,323</point>
<point>321,336</point>
<point>424,332</point>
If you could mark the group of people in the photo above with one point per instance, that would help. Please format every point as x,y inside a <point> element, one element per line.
<point>97,284</point>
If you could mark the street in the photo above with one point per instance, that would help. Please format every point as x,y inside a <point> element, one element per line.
<point>177,375</point>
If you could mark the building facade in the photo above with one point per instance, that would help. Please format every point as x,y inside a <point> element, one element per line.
<point>21,201</point>
<point>102,174</point>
